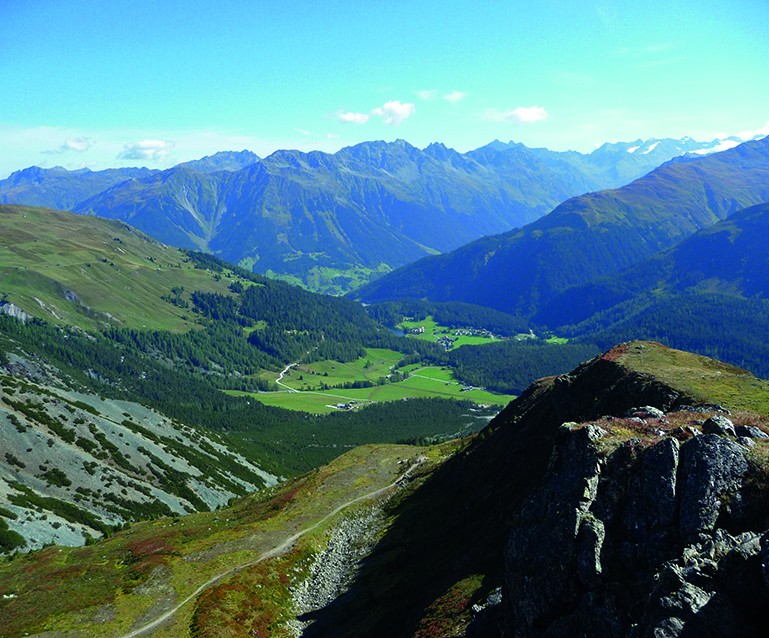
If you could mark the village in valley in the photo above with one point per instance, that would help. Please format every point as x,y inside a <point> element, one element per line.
<point>450,338</point>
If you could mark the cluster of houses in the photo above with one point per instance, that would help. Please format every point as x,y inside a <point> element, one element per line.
<point>446,342</point>
<point>476,332</point>
<point>448,337</point>
<point>346,406</point>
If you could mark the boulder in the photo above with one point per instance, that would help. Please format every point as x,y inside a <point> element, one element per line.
<point>719,425</point>
<point>750,432</point>
<point>645,412</point>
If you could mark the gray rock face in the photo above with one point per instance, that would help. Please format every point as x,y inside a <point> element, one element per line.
<point>765,559</point>
<point>713,468</point>
<point>636,544</point>
<point>718,425</point>
<point>589,543</point>
<point>659,467</point>
<point>551,521</point>
<point>13,310</point>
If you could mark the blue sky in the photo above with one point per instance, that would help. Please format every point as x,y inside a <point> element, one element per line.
<point>118,83</point>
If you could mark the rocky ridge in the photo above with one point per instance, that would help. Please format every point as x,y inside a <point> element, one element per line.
<point>667,539</point>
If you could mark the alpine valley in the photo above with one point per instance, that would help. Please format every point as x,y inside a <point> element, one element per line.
<point>534,405</point>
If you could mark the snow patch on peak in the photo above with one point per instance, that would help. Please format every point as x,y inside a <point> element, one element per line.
<point>633,149</point>
<point>651,148</point>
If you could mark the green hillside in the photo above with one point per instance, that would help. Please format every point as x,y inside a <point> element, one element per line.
<point>707,294</point>
<point>728,257</point>
<point>138,574</point>
<point>95,272</point>
<point>118,314</point>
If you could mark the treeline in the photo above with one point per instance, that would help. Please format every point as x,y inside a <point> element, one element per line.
<point>511,366</point>
<point>219,351</point>
<point>287,323</point>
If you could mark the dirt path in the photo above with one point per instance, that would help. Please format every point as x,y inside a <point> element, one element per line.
<point>285,370</point>
<point>282,374</point>
<point>275,551</point>
<point>422,376</point>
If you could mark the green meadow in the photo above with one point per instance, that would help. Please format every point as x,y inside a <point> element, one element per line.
<point>377,363</point>
<point>312,384</point>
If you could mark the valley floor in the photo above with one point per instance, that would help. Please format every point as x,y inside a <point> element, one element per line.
<point>319,387</point>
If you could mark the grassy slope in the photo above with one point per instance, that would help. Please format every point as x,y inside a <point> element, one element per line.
<point>704,379</point>
<point>108,588</point>
<point>111,268</point>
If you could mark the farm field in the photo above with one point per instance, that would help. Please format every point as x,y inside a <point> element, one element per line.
<point>313,376</point>
<point>422,382</point>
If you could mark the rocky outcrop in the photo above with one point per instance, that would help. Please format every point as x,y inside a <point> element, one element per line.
<point>639,540</point>
<point>13,310</point>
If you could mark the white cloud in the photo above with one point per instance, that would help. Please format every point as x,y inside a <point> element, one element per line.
<point>520,115</point>
<point>25,146</point>
<point>426,94</point>
<point>149,150</point>
<point>304,131</point>
<point>455,96</point>
<point>77,144</point>
<point>331,136</point>
<point>755,133</point>
<point>394,112</point>
<point>352,118</point>
<point>749,134</point>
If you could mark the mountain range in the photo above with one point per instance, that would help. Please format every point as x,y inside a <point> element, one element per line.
<point>728,257</point>
<point>332,222</point>
<point>588,236</point>
<point>62,189</point>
